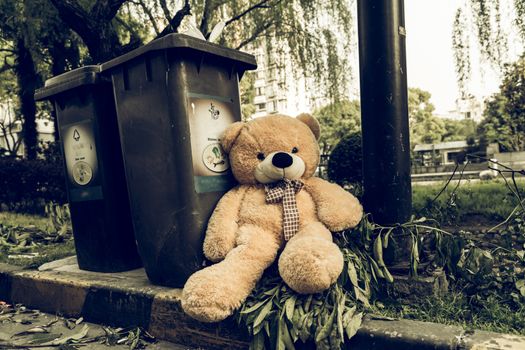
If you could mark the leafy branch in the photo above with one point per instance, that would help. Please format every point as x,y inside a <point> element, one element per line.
<point>176,20</point>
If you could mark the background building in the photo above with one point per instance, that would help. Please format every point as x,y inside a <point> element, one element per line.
<point>277,88</point>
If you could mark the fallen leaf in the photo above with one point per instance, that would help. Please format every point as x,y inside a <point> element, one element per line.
<point>77,336</point>
<point>32,331</point>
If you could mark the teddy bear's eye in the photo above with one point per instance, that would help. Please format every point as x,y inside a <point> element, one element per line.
<point>295,150</point>
<point>260,156</point>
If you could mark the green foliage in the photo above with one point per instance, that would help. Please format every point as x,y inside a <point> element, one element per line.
<point>314,36</point>
<point>459,130</point>
<point>470,200</point>
<point>33,43</point>
<point>424,127</point>
<point>247,90</point>
<point>337,120</point>
<point>59,217</point>
<point>457,308</point>
<point>427,128</point>
<point>461,46</point>
<point>345,166</point>
<point>490,275</point>
<point>276,317</point>
<point>30,241</point>
<point>486,26</point>
<point>504,121</point>
<point>29,184</point>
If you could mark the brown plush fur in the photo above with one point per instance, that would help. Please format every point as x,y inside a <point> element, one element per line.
<point>245,233</point>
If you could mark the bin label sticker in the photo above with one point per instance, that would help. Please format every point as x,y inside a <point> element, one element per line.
<point>82,173</point>
<point>209,118</point>
<point>80,154</point>
<point>215,159</point>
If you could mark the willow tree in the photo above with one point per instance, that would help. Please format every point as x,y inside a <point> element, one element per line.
<point>33,43</point>
<point>314,37</point>
<point>504,121</point>
<point>486,26</point>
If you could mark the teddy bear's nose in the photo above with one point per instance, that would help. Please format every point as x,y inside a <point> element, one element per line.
<point>282,160</point>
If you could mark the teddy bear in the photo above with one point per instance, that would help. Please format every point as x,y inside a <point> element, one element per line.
<point>278,210</point>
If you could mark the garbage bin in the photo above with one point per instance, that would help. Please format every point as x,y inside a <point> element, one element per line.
<point>174,98</point>
<point>95,179</point>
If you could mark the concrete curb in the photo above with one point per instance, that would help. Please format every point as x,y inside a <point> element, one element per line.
<point>128,299</point>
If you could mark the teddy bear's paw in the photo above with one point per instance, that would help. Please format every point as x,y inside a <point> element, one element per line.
<point>204,313</point>
<point>209,298</point>
<point>310,265</point>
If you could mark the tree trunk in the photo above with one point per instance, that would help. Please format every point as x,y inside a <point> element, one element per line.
<point>28,81</point>
<point>102,43</point>
<point>61,55</point>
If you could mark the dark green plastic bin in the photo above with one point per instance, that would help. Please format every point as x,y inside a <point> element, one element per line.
<point>95,179</point>
<point>174,98</point>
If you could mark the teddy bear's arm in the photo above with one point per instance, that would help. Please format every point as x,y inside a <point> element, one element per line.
<point>222,226</point>
<point>336,208</point>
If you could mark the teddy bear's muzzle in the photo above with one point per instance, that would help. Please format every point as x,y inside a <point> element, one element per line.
<point>282,160</point>
<point>279,165</point>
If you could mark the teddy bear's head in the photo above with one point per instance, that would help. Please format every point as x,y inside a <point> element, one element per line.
<point>272,148</point>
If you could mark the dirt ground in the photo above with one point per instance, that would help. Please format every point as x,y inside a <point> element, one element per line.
<point>22,328</point>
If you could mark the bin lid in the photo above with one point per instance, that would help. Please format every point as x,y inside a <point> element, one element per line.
<point>69,80</point>
<point>182,41</point>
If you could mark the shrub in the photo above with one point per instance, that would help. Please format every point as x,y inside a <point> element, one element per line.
<point>346,161</point>
<point>26,185</point>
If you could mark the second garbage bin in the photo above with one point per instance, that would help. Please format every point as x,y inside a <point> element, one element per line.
<point>174,98</point>
<point>96,184</point>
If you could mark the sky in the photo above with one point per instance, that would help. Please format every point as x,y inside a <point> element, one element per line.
<point>430,64</point>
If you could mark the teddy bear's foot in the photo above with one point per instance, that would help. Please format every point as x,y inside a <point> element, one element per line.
<point>208,300</point>
<point>310,264</point>
<point>212,294</point>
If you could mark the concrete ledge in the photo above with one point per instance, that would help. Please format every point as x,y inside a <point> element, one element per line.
<point>127,299</point>
<point>123,299</point>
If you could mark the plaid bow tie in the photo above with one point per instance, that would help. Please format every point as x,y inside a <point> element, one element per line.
<point>285,191</point>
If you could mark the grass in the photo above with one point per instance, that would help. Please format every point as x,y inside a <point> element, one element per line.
<point>455,308</point>
<point>47,253</point>
<point>489,201</point>
<point>12,253</point>
<point>24,220</point>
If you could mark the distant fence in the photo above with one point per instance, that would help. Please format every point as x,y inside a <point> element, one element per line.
<point>515,160</point>
<point>449,168</point>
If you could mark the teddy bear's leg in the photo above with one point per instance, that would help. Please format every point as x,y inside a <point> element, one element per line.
<point>311,262</point>
<point>212,294</point>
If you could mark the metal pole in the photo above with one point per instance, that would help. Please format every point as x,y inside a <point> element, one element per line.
<point>384,110</point>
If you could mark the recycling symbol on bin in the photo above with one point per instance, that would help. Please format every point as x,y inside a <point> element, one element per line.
<point>214,112</point>
<point>215,159</point>
<point>82,173</point>
<point>76,135</point>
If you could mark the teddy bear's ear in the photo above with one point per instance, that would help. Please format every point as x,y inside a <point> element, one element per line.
<point>311,122</point>
<point>230,135</point>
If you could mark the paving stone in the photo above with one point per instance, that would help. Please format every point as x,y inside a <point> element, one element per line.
<point>408,288</point>
<point>53,265</point>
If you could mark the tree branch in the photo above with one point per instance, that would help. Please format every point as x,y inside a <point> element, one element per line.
<point>165,10</point>
<point>6,66</point>
<point>176,20</point>
<point>106,9</point>
<point>148,13</point>
<point>73,14</point>
<point>260,4</point>
<point>255,35</point>
<point>205,17</point>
